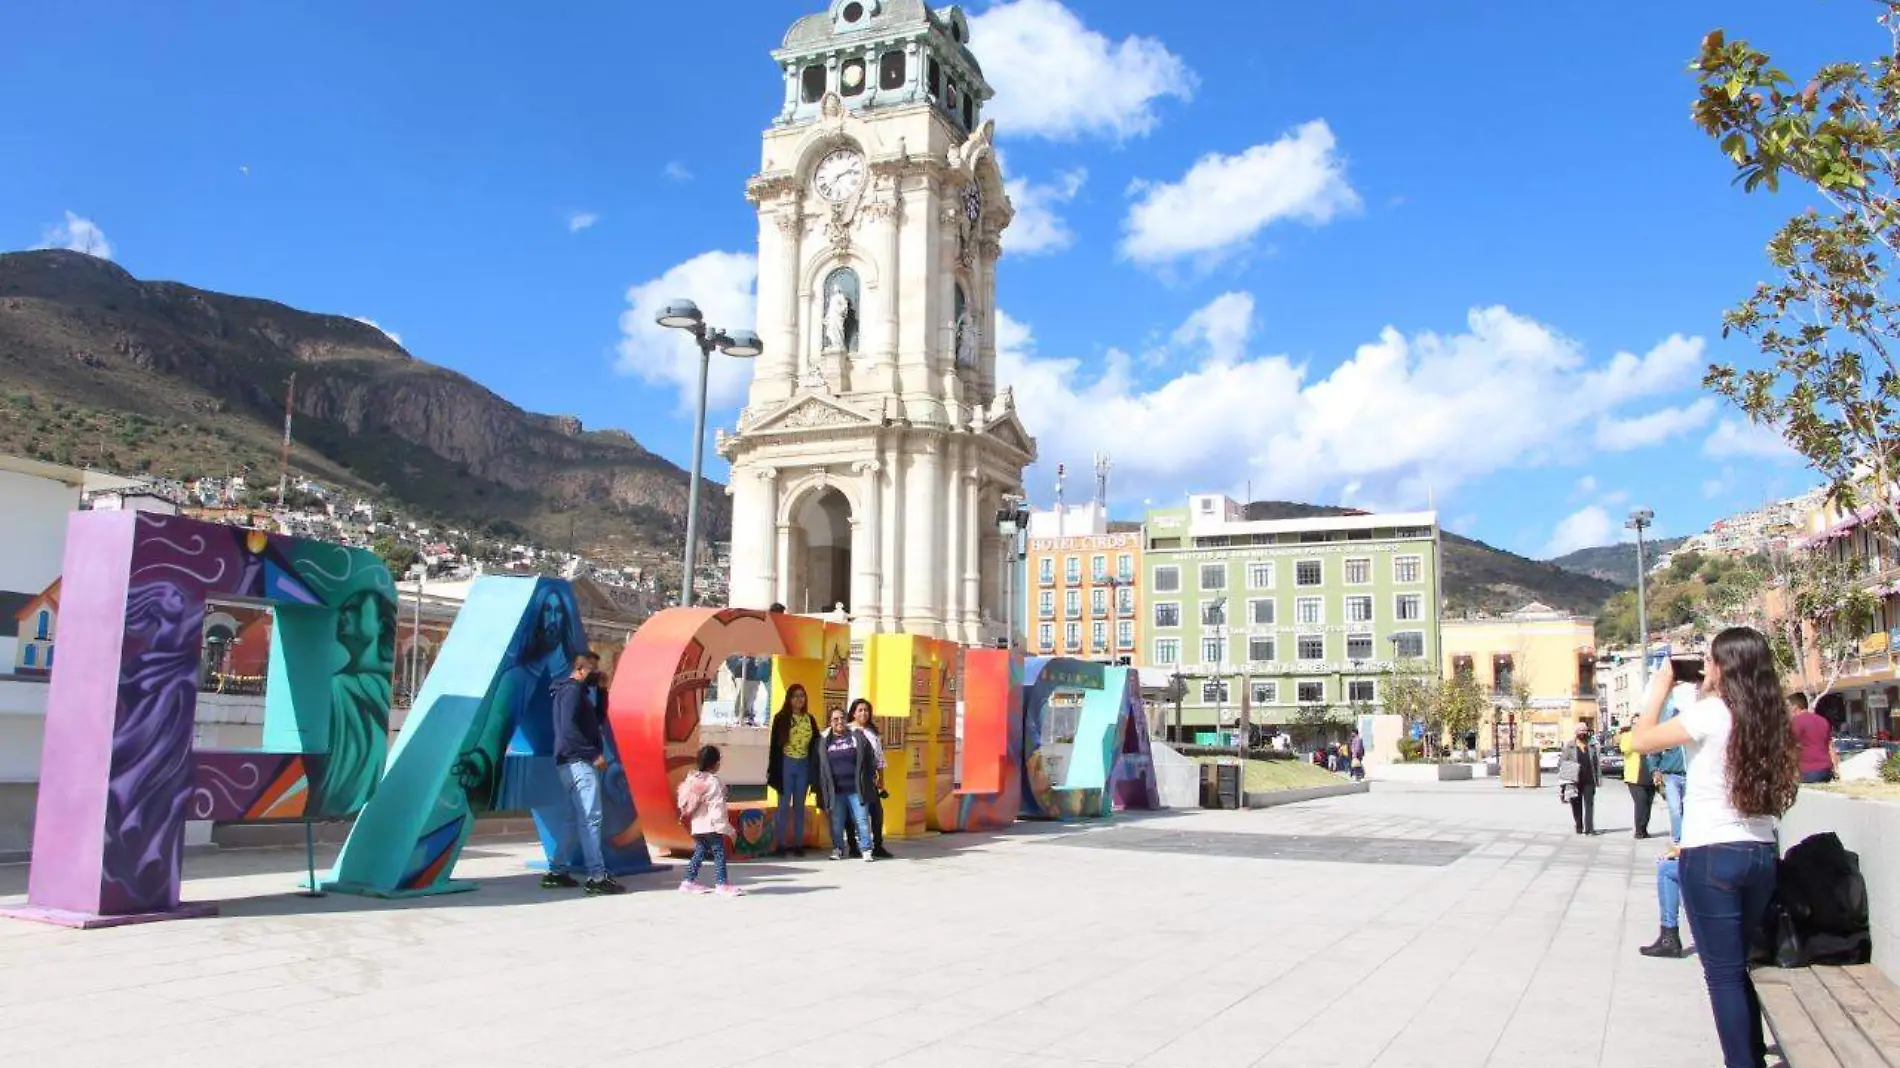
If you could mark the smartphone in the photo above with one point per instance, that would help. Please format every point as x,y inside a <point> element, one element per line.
<point>1686,668</point>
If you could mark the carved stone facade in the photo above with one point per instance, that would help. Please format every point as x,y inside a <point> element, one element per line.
<point>870,473</point>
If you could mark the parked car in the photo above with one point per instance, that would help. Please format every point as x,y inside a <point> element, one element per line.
<point>1612,764</point>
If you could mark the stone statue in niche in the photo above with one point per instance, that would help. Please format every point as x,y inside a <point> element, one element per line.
<point>839,313</point>
<point>966,331</point>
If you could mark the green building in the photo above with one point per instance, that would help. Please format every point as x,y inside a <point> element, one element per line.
<point>1301,612</point>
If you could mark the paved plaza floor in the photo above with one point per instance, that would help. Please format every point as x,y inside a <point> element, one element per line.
<point>1457,924</point>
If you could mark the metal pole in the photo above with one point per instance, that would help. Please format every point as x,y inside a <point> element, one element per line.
<point>1642,613</point>
<point>1009,593</point>
<point>699,455</point>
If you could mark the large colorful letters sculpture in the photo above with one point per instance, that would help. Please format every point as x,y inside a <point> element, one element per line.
<point>481,738</point>
<point>1103,752</point>
<point>119,777</point>
<point>990,795</point>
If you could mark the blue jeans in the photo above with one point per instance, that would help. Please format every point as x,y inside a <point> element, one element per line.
<point>860,816</point>
<point>1726,888</point>
<point>1824,775</point>
<point>704,844</point>
<point>1672,796</point>
<point>1669,890</point>
<point>791,803</point>
<point>580,817</point>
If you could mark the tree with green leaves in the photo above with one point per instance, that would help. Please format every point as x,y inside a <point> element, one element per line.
<point>1461,706</point>
<point>1830,321</point>
<point>1813,608</point>
<point>399,558</point>
<point>1310,723</point>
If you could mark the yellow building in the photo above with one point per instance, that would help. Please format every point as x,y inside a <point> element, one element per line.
<point>1549,652</point>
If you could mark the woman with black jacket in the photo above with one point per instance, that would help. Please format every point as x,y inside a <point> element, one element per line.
<point>791,768</point>
<point>847,775</point>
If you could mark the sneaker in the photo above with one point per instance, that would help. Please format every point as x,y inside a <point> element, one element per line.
<point>870,858</point>
<point>687,886</point>
<point>558,880</point>
<point>882,853</point>
<point>837,854</point>
<point>728,890</point>
<point>604,886</point>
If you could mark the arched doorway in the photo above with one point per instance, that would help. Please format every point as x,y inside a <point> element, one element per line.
<point>821,553</point>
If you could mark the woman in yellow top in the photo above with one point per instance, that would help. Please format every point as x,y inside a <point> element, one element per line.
<point>791,768</point>
<point>1642,784</point>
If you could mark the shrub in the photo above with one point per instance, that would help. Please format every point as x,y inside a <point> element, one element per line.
<point>1890,767</point>
<point>1410,749</point>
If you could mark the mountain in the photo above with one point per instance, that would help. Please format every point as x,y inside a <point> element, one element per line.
<point>1478,577</point>
<point>1615,563</point>
<point>100,368</point>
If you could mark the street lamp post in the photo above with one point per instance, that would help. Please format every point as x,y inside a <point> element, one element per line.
<point>1219,604</point>
<point>743,344</point>
<point>1639,521</point>
<point>1012,521</point>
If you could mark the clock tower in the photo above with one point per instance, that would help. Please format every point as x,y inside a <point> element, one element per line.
<point>876,444</point>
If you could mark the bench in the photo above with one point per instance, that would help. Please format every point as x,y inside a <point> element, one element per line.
<point>1824,1016</point>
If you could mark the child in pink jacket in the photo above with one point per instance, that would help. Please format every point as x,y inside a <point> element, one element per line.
<point>702,805</point>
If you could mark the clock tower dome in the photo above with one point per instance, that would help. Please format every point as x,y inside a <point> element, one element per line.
<point>876,445</point>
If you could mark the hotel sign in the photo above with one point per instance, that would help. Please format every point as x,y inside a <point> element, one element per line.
<point>1874,644</point>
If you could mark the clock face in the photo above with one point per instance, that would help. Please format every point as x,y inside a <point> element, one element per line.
<point>839,176</point>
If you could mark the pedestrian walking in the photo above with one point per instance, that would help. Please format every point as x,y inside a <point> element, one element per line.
<point>1743,771</point>
<point>791,768</point>
<point>1815,735</point>
<point>1668,941</point>
<point>1356,751</point>
<point>1640,780</point>
<point>1578,772</point>
<point>864,720</point>
<point>702,806</point>
<point>580,755</point>
<point>847,774</point>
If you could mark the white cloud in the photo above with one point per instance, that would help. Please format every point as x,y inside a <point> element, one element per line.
<point>1402,414</point>
<point>388,333</point>
<point>1713,487</point>
<point>1584,528</point>
<point>1056,78</point>
<point>1642,431</point>
<point>1586,486</point>
<point>581,220</point>
<point>721,283</point>
<point>77,234</point>
<point>677,171</point>
<point>1217,207</point>
<point>1741,438</point>
<point>1037,227</point>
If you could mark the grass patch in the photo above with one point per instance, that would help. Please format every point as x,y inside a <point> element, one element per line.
<point>1880,791</point>
<point>1266,776</point>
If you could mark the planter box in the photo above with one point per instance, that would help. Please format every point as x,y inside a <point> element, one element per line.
<point>1419,772</point>
<point>1872,829</point>
<point>1271,798</point>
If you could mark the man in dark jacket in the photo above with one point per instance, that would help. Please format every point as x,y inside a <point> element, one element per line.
<point>580,755</point>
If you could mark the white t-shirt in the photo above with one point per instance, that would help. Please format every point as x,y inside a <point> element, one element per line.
<point>1708,818</point>
<point>877,744</point>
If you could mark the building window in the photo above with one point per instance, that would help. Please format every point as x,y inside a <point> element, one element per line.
<point>1072,569</point>
<point>43,626</point>
<point>1311,692</point>
<point>1265,692</point>
<point>1461,666</point>
<point>1407,568</point>
<point>1124,634</point>
<point>1260,575</point>
<point>1410,606</point>
<point>1358,571</point>
<point>1168,614</point>
<point>1072,637</point>
<point>1098,635</point>
<point>1359,609</point>
<point>1361,691</point>
<point>969,112</point>
<point>1125,567</point>
<point>1503,673</point>
<point>1307,573</point>
<point>32,658</point>
<point>1046,569</point>
<point>1409,644</point>
<point>1312,647</point>
<point>1359,647</point>
<point>1260,650</point>
<point>1046,604</point>
<point>890,71</point>
<point>1214,614</point>
<point>1071,602</point>
<point>1213,576</point>
<point>811,83</point>
<point>935,77</point>
<point>1167,650</point>
<point>851,77</point>
<point>1098,567</point>
<point>1125,600</point>
<point>1098,601</point>
<point>1309,610</point>
<point>1213,650</point>
<point>1214,691</point>
<point>1260,611</point>
<point>1046,637</point>
<point>1167,579</point>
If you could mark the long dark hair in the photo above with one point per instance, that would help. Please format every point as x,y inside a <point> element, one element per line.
<point>795,688</point>
<point>1763,762</point>
<point>851,715</point>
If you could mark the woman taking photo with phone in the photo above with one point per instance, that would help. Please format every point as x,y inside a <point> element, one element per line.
<point>1742,774</point>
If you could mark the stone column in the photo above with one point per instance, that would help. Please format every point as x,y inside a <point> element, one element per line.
<point>890,274</point>
<point>781,233</point>
<point>953,547</point>
<point>917,327</point>
<point>765,538</point>
<point>973,539</point>
<point>783,581</point>
<point>894,524</point>
<point>866,601</point>
<point>923,539</point>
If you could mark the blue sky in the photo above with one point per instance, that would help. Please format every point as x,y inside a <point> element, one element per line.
<point>1358,251</point>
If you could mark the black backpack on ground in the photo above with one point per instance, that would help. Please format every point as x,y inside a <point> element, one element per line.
<point>1819,912</point>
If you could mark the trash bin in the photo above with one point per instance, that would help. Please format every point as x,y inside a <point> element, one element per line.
<point>1210,788</point>
<point>1229,785</point>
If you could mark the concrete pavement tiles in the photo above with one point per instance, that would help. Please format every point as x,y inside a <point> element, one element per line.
<point>1448,925</point>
